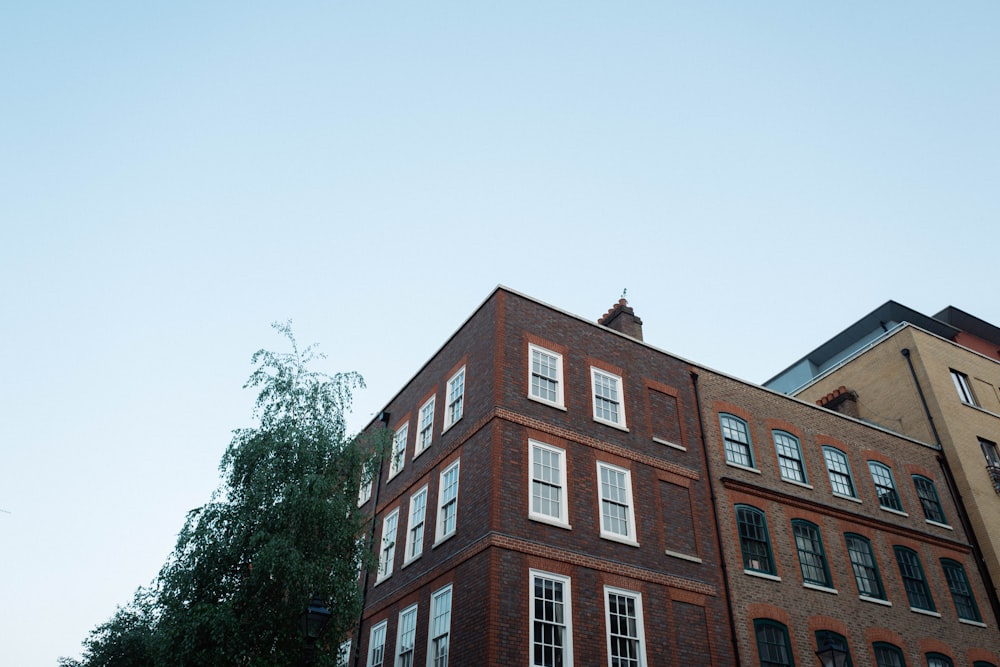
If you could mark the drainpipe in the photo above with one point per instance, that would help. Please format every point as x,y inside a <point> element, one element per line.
<point>977,553</point>
<point>377,483</point>
<point>715,512</point>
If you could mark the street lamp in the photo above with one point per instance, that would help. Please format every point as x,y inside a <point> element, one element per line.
<point>832,653</point>
<point>312,621</point>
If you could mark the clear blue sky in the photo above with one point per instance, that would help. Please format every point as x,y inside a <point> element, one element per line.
<point>175,176</point>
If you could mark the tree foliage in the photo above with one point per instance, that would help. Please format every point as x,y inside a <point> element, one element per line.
<point>282,528</point>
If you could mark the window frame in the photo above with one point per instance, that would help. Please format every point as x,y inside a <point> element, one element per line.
<point>618,387</point>
<point>990,452</point>
<point>791,459</point>
<point>828,452</point>
<point>895,654</point>
<point>397,457</point>
<point>412,525</point>
<point>630,538</point>
<point>559,400</point>
<point>881,489</point>
<point>914,580</point>
<point>923,486</point>
<point>750,556</point>
<point>387,548</point>
<point>955,576</point>
<point>761,625</point>
<point>734,451</point>
<point>401,629</point>
<point>365,492</point>
<point>640,636</point>
<point>938,660</point>
<point>562,519</point>
<point>454,409</point>
<point>380,629</point>
<point>964,388</point>
<point>873,576</point>
<point>811,546</point>
<point>343,653</point>
<point>433,660</point>
<point>441,532</point>
<point>425,426</point>
<point>567,615</point>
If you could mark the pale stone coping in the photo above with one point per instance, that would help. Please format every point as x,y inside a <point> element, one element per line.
<point>677,554</point>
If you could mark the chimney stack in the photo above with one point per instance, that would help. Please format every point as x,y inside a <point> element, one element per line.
<point>622,319</point>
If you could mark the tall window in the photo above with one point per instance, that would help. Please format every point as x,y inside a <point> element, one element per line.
<point>812,558</point>
<point>961,381</point>
<point>754,541</point>
<point>917,591</point>
<point>405,636</point>
<point>789,457</point>
<point>415,525</point>
<point>608,407</point>
<point>551,630</point>
<point>447,513</point>
<point>425,427</point>
<point>829,636</point>
<point>773,647</point>
<point>365,493</point>
<point>398,458</point>
<point>617,515</point>
<point>376,645</point>
<point>456,398</point>
<point>885,486</point>
<point>388,552</point>
<point>990,452</point>
<point>343,654</point>
<point>939,660</point>
<point>961,591</point>
<point>439,628</point>
<point>736,437</point>
<point>866,574</point>
<point>929,499</point>
<point>548,483</point>
<point>545,371</point>
<point>625,628</point>
<point>887,655</point>
<point>839,470</point>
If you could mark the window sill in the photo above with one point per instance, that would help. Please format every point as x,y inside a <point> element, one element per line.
<point>969,621</point>
<point>439,541</point>
<point>393,475</point>
<point>939,525</point>
<point>550,521</point>
<point>821,588</point>
<point>557,406</point>
<point>412,560</point>
<point>743,467</point>
<point>853,499</point>
<point>675,554</point>
<point>762,575</point>
<point>614,425</point>
<point>804,485</point>
<point>416,454</point>
<point>925,612</point>
<point>382,580</point>
<point>892,511</point>
<point>884,603</point>
<point>661,441</point>
<point>619,538</point>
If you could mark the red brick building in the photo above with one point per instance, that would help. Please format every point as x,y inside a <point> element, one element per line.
<point>833,528</point>
<point>563,493</point>
<point>549,504</point>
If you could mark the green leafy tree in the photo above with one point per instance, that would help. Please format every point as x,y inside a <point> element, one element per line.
<point>282,528</point>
